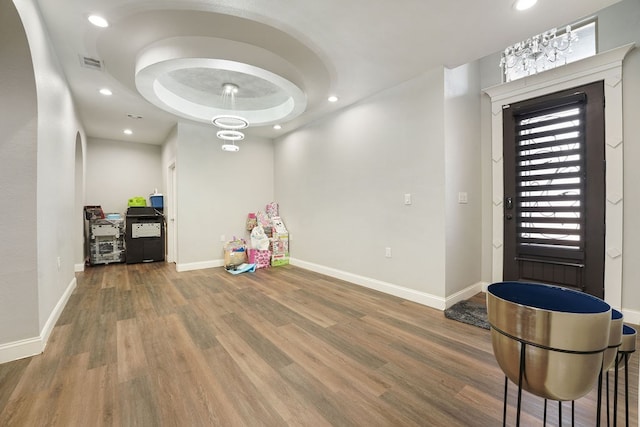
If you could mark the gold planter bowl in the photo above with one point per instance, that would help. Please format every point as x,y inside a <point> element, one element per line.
<point>565,332</point>
<point>615,340</point>
<point>628,339</point>
<point>628,345</point>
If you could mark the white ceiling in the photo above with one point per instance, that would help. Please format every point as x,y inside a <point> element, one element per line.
<point>351,48</point>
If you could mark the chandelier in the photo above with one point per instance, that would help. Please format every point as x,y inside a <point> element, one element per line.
<point>538,53</point>
<point>230,125</point>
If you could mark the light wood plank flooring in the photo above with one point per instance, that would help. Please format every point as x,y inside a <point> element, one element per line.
<point>142,345</point>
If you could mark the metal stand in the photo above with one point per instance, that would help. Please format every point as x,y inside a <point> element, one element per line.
<point>506,385</point>
<point>519,407</point>
<point>599,406</point>
<point>622,356</point>
<point>626,387</point>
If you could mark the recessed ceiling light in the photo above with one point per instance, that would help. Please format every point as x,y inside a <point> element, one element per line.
<point>128,132</point>
<point>106,92</point>
<point>332,98</point>
<point>98,21</point>
<point>277,127</point>
<point>524,4</point>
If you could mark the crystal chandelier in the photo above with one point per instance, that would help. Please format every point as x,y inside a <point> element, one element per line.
<point>538,53</point>
<point>230,125</point>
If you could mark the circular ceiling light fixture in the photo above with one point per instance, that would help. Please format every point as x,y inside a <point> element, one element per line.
<point>332,98</point>
<point>230,147</point>
<point>106,92</point>
<point>227,121</point>
<point>230,135</point>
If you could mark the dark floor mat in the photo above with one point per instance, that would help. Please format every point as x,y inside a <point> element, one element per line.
<point>469,312</point>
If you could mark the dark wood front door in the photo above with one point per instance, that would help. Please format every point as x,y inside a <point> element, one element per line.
<point>554,189</point>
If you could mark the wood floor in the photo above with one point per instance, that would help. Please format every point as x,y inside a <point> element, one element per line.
<point>142,345</point>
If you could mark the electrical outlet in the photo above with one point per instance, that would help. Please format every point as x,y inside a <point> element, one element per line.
<point>59,262</point>
<point>387,252</point>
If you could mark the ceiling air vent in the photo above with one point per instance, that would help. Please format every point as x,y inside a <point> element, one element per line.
<point>94,64</point>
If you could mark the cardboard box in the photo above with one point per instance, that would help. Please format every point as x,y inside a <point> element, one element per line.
<point>280,243</point>
<point>278,225</point>
<point>278,260</point>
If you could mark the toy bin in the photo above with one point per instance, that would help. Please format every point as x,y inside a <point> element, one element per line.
<point>157,201</point>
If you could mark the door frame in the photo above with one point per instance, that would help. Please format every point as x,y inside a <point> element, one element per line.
<point>583,267</point>
<point>605,66</point>
<point>171,214</point>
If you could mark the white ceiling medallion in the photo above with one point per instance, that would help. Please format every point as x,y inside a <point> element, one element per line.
<point>181,75</point>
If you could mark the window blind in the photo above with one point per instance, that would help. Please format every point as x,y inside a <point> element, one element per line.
<point>550,175</point>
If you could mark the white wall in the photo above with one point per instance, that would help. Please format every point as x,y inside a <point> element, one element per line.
<point>341,183</point>
<point>462,169</point>
<point>215,192</point>
<point>58,126</point>
<point>120,170</point>
<point>619,25</point>
<point>488,77</point>
<point>168,153</point>
<point>18,144</point>
<point>45,212</point>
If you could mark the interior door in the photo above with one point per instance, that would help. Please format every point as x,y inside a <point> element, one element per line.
<point>554,189</point>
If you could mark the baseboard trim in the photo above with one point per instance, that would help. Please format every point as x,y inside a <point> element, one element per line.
<point>34,346</point>
<point>466,293</point>
<point>20,349</point>
<point>78,268</point>
<point>199,265</point>
<point>57,311</point>
<point>631,316</point>
<point>378,285</point>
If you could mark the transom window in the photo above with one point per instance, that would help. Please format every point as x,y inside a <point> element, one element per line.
<point>549,50</point>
